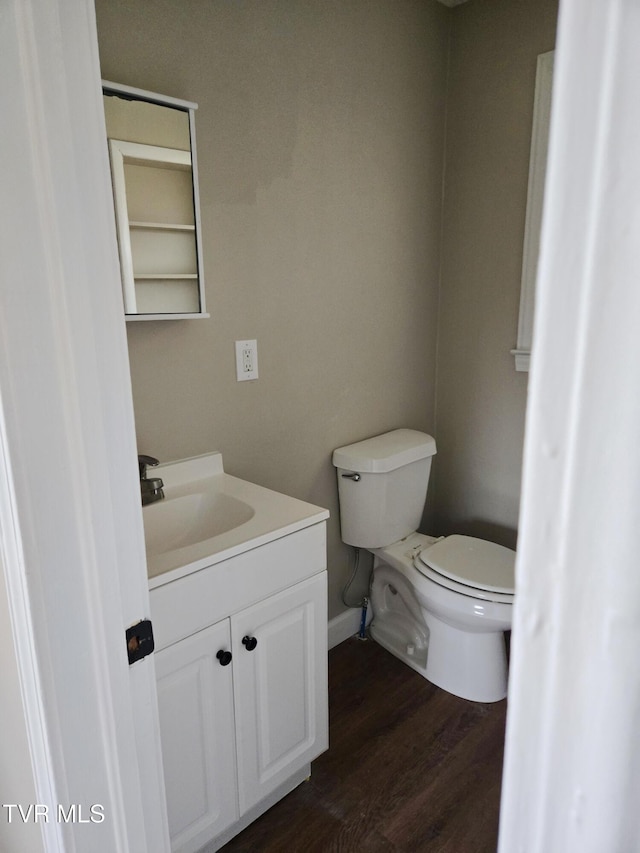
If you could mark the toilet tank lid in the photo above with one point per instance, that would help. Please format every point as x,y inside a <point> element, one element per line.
<point>385,452</point>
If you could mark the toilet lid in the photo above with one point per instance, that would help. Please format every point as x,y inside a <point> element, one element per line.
<point>473,562</point>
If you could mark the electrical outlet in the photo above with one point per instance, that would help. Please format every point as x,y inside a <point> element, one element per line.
<point>246,360</point>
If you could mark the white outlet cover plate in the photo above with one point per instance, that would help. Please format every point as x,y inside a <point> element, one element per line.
<point>246,360</point>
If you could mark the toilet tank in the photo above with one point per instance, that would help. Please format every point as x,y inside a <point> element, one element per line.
<point>384,501</point>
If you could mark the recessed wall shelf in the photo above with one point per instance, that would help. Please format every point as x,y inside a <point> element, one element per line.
<point>152,152</point>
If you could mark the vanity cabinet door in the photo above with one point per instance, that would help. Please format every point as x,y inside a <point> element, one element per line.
<point>280,687</point>
<point>195,697</point>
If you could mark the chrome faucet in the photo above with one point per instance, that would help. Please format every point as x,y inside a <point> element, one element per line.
<point>151,488</point>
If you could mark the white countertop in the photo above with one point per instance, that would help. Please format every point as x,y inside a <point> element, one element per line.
<point>274,515</point>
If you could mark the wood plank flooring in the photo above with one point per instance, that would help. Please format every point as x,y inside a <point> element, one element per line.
<point>410,768</point>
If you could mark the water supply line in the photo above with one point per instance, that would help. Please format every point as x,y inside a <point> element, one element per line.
<point>362,633</point>
<point>364,601</point>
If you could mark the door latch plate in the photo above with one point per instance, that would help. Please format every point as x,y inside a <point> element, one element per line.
<point>139,640</point>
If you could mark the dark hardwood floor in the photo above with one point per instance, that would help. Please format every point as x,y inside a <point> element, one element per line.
<point>409,768</point>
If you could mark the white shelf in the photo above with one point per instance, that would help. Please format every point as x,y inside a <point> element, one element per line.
<point>159,248</point>
<point>161,226</point>
<point>165,276</point>
<point>173,315</point>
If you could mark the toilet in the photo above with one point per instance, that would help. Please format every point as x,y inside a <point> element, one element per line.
<point>441,605</point>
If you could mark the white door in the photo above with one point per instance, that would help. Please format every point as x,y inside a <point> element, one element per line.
<point>71,539</point>
<point>280,686</point>
<point>571,782</point>
<point>195,698</point>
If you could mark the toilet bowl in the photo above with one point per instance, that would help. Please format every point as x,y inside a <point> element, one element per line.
<point>448,630</point>
<point>440,605</point>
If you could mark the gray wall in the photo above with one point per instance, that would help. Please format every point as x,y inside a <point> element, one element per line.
<point>320,135</point>
<point>321,143</point>
<point>480,398</point>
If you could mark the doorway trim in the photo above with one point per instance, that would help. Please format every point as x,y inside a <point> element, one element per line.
<point>70,517</point>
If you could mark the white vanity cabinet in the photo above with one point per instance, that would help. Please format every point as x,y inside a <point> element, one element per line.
<point>243,700</point>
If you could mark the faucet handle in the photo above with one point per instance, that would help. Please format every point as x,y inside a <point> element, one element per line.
<point>143,462</point>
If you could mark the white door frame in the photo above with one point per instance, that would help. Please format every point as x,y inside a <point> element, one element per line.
<point>572,768</point>
<point>72,544</point>
<point>71,538</point>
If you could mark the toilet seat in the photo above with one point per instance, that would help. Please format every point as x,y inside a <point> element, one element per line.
<point>473,567</point>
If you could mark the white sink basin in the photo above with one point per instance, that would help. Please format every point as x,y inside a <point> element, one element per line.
<point>180,521</point>
<point>208,516</point>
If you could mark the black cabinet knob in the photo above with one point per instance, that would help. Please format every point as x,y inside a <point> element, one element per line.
<point>249,643</point>
<point>224,658</point>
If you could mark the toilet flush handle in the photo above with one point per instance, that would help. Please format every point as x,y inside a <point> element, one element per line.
<point>355,477</point>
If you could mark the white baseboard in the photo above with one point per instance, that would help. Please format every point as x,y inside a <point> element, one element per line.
<point>345,625</point>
